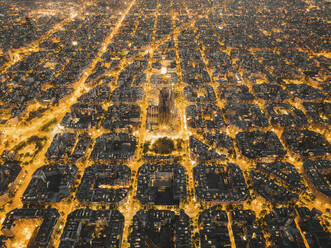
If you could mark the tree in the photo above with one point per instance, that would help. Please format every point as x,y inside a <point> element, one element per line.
<point>180,144</point>
<point>146,147</point>
<point>163,146</point>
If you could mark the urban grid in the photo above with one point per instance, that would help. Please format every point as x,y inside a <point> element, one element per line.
<point>165,123</point>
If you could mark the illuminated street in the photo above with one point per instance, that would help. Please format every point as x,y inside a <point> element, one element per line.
<point>165,123</point>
